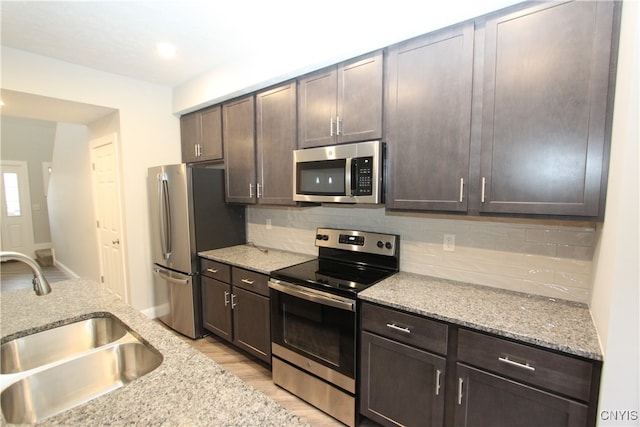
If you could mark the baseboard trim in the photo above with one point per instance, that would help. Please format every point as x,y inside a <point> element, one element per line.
<point>65,269</point>
<point>153,312</point>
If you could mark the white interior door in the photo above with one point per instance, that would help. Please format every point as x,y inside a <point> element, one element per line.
<point>17,225</point>
<point>108,214</point>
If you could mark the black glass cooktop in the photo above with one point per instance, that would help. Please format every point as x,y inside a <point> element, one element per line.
<point>332,276</point>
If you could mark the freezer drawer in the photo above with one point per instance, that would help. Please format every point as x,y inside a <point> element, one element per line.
<point>179,301</point>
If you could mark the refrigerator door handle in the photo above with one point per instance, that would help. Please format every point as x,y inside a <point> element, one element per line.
<point>165,276</point>
<point>165,215</point>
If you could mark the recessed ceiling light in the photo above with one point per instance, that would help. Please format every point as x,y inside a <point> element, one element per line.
<point>166,50</point>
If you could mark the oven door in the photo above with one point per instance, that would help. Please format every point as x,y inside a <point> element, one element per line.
<point>315,331</point>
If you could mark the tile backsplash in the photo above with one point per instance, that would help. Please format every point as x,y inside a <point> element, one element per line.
<point>521,255</point>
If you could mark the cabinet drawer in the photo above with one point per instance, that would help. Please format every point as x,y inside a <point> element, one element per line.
<point>405,328</point>
<point>215,270</point>
<point>250,280</point>
<point>555,372</point>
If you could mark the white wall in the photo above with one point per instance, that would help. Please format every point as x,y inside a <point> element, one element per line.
<point>70,203</point>
<point>149,135</point>
<point>615,303</point>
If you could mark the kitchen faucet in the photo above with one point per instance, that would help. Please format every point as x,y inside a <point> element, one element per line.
<point>40,284</point>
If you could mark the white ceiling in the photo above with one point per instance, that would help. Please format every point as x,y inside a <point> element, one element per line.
<point>120,36</point>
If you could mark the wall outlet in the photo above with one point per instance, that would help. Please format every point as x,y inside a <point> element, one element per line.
<point>449,242</point>
<point>268,223</point>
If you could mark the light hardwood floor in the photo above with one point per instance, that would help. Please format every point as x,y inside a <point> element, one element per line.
<point>17,275</point>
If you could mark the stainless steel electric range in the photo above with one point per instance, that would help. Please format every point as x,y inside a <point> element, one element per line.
<point>314,319</point>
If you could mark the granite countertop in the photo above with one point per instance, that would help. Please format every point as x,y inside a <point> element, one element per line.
<point>555,324</point>
<point>262,260</point>
<point>186,389</point>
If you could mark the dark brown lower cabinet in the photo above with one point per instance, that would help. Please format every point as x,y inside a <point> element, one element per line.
<point>251,326</point>
<point>238,311</point>
<point>401,385</point>
<point>216,312</point>
<point>485,399</point>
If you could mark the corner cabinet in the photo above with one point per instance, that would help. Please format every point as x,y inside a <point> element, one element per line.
<point>342,103</point>
<point>276,133</point>
<point>201,135</point>
<point>418,371</point>
<point>235,307</point>
<point>402,379</point>
<point>428,120</point>
<point>238,130</point>
<point>546,109</point>
<point>502,383</point>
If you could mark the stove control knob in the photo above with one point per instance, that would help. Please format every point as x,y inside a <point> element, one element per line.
<point>325,237</point>
<point>388,245</point>
<point>380,244</point>
<point>318,236</point>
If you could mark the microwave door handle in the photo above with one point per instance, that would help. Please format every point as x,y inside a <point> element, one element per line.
<point>349,179</point>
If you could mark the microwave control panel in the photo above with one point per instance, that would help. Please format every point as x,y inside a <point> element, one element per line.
<point>361,181</point>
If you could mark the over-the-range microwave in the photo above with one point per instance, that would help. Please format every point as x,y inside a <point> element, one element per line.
<point>347,173</point>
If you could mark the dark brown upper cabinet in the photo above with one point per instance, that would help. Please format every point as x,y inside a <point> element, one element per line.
<point>276,138</point>
<point>342,103</point>
<point>428,120</point>
<point>201,135</point>
<point>546,109</point>
<point>238,129</point>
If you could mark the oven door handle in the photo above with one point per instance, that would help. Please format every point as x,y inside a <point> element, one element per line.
<point>313,296</point>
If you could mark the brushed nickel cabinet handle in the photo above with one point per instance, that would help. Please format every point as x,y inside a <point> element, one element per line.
<point>484,183</point>
<point>517,364</point>
<point>398,328</point>
<point>247,281</point>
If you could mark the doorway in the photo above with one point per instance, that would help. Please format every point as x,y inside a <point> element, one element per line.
<point>17,224</point>
<point>106,184</point>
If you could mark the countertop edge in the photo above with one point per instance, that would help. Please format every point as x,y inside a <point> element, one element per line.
<point>259,259</point>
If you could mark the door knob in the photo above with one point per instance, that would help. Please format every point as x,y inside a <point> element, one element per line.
<point>116,242</point>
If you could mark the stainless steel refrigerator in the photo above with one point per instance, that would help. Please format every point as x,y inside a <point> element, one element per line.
<point>188,215</point>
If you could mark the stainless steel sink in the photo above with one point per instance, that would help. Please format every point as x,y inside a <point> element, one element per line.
<point>44,347</point>
<point>111,359</point>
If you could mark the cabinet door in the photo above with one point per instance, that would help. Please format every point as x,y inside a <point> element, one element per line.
<point>211,144</point>
<point>400,385</point>
<point>428,120</point>
<point>190,137</point>
<point>484,399</point>
<point>317,106</point>
<point>359,116</point>
<point>251,323</point>
<point>544,109</point>
<point>238,129</point>
<point>276,137</point>
<point>216,307</point>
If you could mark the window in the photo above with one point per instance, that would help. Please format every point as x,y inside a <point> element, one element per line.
<point>12,193</point>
